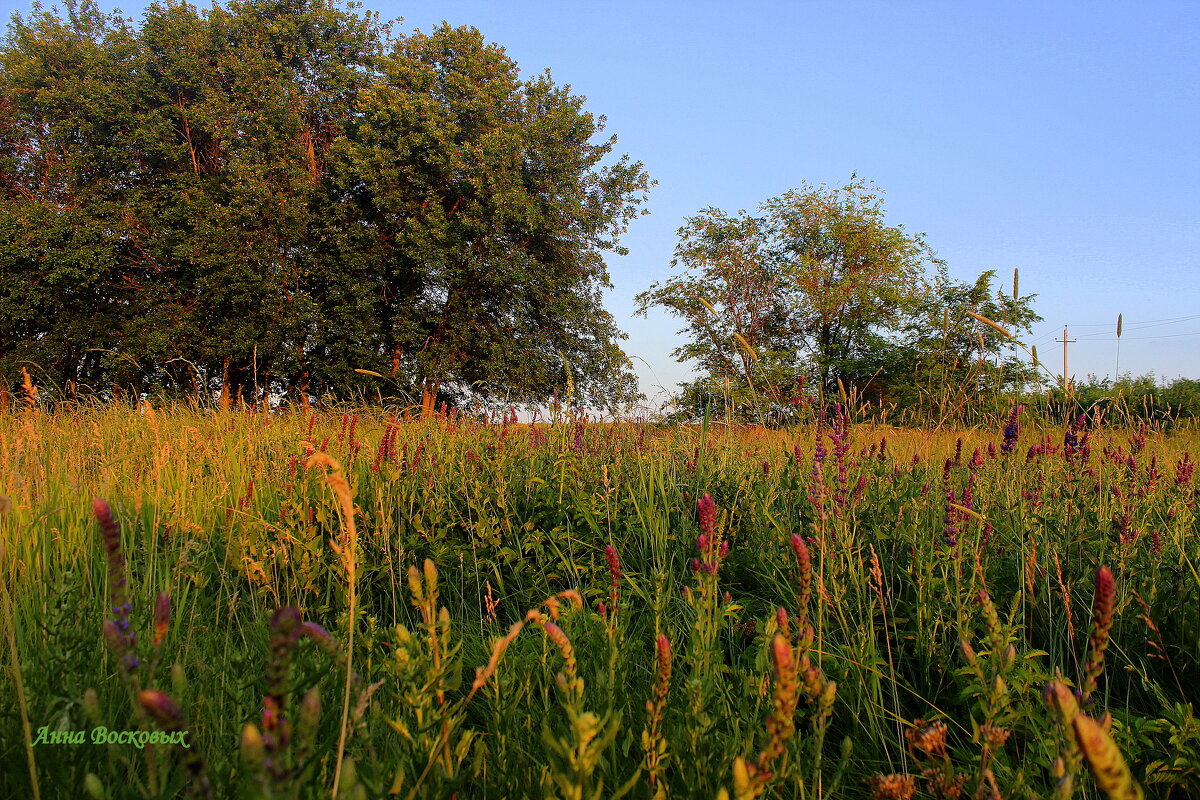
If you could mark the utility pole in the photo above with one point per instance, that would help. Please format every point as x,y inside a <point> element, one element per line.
<point>1066,375</point>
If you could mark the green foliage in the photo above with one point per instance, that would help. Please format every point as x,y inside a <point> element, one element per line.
<point>265,196</point>
<point>820,286</point>
<point>949,360</point>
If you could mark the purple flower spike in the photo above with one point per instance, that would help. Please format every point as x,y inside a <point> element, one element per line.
<point>1011,431</point>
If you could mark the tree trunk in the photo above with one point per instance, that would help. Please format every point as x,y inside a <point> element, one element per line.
<point>429,397</point>
<point>301,388</point>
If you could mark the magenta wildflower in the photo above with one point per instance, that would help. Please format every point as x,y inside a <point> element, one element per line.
<point>706,511</point>
<point>1185,467</point>
<point>950,522</point>
<point>614,573</point>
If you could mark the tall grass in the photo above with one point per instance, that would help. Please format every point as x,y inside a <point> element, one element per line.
<point>580,610</point>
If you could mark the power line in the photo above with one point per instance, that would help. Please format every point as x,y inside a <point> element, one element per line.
<point>1143,324</point>
<point>1164,336</point>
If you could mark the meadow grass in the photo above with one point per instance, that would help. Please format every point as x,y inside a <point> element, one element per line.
<point>350,604</point>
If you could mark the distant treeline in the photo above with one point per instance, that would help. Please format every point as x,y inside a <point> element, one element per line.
<point>1128,399</point>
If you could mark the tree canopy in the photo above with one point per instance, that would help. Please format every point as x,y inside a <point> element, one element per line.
<point>818,285</point>
<point>276,197</point>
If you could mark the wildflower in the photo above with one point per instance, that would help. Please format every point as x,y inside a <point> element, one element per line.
<point>1071,437</point>
<point>320,636</point>
<point>614,570</point>
<point>860,487</point>
<point>804,562</point>
<point>1012,430</point>
<point>1104,758</point>
<point>652,741</point>
<point>929,739</point>
<point>1184,469</point>
<point>1103,604</point>
<point>167,714</point>
<point>892,787</point>
<point>577,443</point>
<point>949,522</point>
<point>117,631</point>
<point>706,510</point>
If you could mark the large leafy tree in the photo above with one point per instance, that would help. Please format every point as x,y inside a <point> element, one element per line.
<point>264,197</point>
<point>814,285</point>
<point>858,277</point>
<point>65,149</point>
<point>492,209</point>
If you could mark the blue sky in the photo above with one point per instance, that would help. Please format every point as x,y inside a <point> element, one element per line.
<point>1058,138</point>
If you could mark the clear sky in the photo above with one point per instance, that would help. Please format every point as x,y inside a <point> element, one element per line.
<point>1059,138</point>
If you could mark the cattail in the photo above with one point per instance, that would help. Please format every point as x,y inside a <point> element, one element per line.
<point>1103,604</point>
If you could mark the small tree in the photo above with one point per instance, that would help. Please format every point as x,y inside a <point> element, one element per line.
<point>814,285</point>
<point>948,358</point>
<point>742,329</point>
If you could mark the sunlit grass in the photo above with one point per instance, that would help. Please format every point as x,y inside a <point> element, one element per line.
<point>947,587</point>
